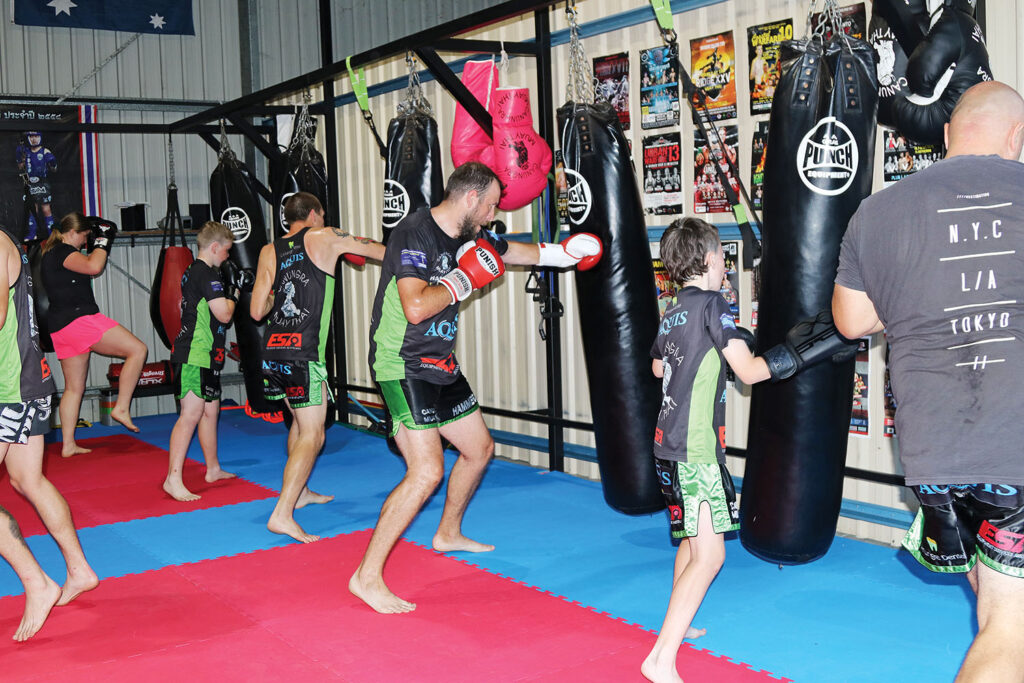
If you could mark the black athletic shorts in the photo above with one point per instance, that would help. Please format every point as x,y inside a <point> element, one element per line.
<point>203,382</point>
<point>425,405</point>
<point>18,421</point>
<point>299,382</point>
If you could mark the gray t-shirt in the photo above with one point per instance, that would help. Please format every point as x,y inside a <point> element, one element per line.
<point>696,326</point>
<point>941,256</point>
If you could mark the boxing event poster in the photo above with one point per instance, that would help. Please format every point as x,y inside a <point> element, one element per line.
<point>730,288</point>
<point>664,286</point>
<point>662,174</point>
<point>758,151</point>
<point>855,21</point>
<point>48,174</point>
<point>861,373</point>
<point>902,157</point>
<point>763,43</point>
<point>561,189</point>
<point>612,75</point>
<point>889,402</point>
<point>708,194</point>
<point>713,69</point>
<point>659,87</point>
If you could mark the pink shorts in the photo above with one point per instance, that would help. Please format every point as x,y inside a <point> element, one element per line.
<point>80,334</point>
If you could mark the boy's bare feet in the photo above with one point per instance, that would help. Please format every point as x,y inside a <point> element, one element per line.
<point>217,475</point>
<point>38,603</point>
<point>658,672</point>
<point>446,544</point>
<point>377,595</point>
<point>177,491</point>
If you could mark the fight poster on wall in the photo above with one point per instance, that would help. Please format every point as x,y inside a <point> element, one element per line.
<point>901,157</point>
<point>561,189</point>
<point>612,75</point>
<point>708,194</point>
<point>763,42</point>
<point>862,371</point>
<point>663,191</point>
<point>730,288</point>
<point>659,87</point>
<point>713,69</point>
<point>758,152</point>
<point>855,21</point>
<point>889,402</point>
<point>45,174</point>
<point>664,286</point>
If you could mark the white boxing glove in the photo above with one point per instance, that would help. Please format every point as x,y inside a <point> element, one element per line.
<point>582,250</point>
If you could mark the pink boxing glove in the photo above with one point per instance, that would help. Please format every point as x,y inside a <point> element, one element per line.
<point>469,141</point>
<point>521,158</point>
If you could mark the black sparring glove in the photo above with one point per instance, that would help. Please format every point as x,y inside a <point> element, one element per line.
<point>236,280</point>
<point>102,233</point>
<point>809,342</point>
<point>747,336</point>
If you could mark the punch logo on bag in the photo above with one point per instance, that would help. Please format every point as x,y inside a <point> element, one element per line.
<point>237,221</point>
<point>579,195</point>
<point>284,222</point>
<point>827,157</point>
<point>396,203</point>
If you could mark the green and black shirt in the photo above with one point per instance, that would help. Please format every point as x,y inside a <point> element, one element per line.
<point>201,339</point>
<point>24,373</point>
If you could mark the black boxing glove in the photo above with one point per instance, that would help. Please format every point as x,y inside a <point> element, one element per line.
<point>101,234</point>
<point>234,279</point>
<point>747,336</point>
<point>808,343</point>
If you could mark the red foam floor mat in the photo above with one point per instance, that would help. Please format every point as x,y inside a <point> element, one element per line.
<point>121,480</point>
<point>286,613</point>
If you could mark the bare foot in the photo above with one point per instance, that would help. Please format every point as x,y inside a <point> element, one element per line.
<point>122,416</point>
<point>307,497</point>
<point>657,673</point>
<point>377,595</point>
<point>289,527</point>
<point>38,604</point>
<point>460,542</point>
<point>694,633</point>
<point>177,491</point>
<point>79,582</point>
<point>217,475</point>
<point>73,449</point>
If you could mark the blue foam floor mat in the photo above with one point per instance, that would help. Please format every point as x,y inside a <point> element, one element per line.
<point>861,613</point>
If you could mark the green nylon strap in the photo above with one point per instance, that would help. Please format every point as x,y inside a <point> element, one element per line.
<point>663,13</point>
<point>358,80</point>
<point>740,213</point>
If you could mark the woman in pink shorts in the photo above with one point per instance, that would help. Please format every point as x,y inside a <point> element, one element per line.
<point>76,325</point>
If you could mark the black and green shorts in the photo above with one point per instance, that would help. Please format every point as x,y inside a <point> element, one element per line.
<point>424,405</point>
<point>19,421</point>
<point>958,524</point>
<point>300,382</point>
<point>203,382</point>
<point>686,485</point>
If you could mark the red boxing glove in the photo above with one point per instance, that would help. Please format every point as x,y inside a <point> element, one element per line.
<point>354,259</point>
<point>479,265</point>
<point>582,250</point>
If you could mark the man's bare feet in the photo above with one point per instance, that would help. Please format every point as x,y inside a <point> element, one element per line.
<point>308,497</point>
<point>69,450</point>
<point>38,603</point>
<point>694,633</point>
<point>656,672</point>
<point>122,415</point>
<point>217,475</point>
<point>177,491</point>
<point>446,544</point>
<point>377,595</point>
<point>289,527</point>
<point>78,582</point>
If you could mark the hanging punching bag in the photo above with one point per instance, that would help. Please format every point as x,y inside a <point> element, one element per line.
<point>174,260</point>
<point>234,203</point>
<point>39,295</point>
<point>412,170</point>
<point>817,171</point>
<point>618,307</point>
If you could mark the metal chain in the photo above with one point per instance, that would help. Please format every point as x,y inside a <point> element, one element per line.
<point>225,152</point>
<point>170,158</point>
<point>85,79</point>
<point>581,86</point>
<point>415,101</point>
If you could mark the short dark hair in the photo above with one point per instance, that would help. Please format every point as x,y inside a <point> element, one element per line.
<point>684,245</point>
<point>298,206</point>
<point>472,176</point>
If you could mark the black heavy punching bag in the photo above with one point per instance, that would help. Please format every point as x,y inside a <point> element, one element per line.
<point>618,306</point>
<point>304,170</point>
<point>40,298</point>
<point>234,203</point>
<point>817,171</point>
<point>412,172</point>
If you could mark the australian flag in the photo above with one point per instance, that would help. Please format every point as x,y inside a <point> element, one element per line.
<point>132,16</point>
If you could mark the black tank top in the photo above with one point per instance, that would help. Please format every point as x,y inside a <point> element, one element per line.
<point>300,319</point>
<point>24,373</point>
